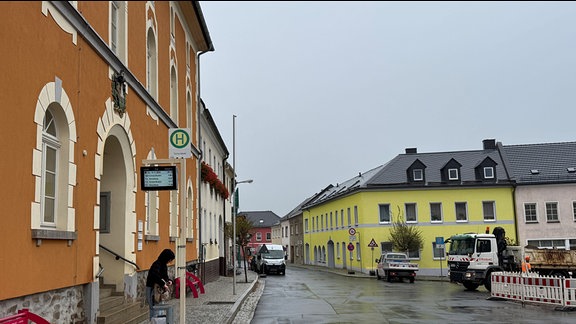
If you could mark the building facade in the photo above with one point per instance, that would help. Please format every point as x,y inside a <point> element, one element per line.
<point>262,223</point>
<point>545,193</point>
<point>94,89</point>
<point>441,194</point>
<point>214,197</point>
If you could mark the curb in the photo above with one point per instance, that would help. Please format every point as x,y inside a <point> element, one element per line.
<point>234,310</point>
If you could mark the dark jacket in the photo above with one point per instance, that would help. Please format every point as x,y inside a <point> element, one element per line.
<point>158,273</point>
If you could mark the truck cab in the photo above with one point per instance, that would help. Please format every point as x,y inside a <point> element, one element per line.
<point>472,258</point>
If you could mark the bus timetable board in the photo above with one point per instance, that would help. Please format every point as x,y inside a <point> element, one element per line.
<point>154,178</point>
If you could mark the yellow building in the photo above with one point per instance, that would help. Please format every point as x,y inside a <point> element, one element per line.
<point>440,194</point>
<point>90,89</point>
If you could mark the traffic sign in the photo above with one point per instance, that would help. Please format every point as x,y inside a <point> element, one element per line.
<point>179,143</point>
<point>350,247</point>
<point>372,244</point>
<point>352,231</point>
<point>352,237</point>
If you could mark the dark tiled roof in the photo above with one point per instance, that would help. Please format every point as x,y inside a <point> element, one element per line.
<point>550,160</point>
<point>394,173</point>
<point>261,218</point>
<point>343,188</point>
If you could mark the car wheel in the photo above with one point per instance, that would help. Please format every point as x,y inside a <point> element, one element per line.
<point>411,280</point>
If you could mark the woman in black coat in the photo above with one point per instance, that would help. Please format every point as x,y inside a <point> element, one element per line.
<point>158,274</point>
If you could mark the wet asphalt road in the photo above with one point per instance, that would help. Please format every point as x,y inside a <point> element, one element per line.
<point>307,296</point>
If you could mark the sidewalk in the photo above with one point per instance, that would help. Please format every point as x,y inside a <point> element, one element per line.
<point>219,304</point>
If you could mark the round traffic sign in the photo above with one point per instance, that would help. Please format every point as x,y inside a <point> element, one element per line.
<point>350,247</point>
<point>352,231</point>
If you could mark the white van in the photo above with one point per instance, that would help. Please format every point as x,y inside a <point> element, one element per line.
<point>270,258</point>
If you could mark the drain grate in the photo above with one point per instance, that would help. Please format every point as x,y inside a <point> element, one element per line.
<point>220,303</point>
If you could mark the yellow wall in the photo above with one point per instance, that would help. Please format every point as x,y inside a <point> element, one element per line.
<point>369,228</point>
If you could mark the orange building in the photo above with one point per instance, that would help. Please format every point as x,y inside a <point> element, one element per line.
<point>90,89</point>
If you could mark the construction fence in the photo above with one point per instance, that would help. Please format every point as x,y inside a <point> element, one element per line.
<point>533,288</point>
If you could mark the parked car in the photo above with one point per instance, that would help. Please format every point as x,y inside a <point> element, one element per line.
<point>393,265</point>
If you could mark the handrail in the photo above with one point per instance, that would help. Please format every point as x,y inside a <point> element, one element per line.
<point>118,256</point>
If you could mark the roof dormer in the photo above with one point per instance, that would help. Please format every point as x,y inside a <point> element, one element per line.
<point>416,172</point>
<point>486,170</point>
<point>451,171</point>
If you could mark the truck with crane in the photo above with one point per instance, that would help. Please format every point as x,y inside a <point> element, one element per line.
<point>473,257</point>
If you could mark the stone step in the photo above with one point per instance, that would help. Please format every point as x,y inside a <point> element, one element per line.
<point>122,313</point>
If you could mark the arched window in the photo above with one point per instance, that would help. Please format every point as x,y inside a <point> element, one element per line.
<point>173,95</point>
<point>50,151</point>
<point>52,216</point>
<point>151,64</point>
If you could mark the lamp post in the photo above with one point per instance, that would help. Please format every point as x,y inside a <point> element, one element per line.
<point>235,193</point>
<point>234,231</point>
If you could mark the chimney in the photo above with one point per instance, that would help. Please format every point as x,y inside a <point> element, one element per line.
<point>411,150</point>
<point>489,144</point>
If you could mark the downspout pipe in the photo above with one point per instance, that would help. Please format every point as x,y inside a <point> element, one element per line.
<point>210,48</point>
<point>199,167</point>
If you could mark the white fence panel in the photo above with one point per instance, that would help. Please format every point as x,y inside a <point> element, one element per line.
<point>570,292</point>
<point>534,288</point>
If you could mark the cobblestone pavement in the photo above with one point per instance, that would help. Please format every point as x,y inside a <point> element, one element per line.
<point>219,304</point>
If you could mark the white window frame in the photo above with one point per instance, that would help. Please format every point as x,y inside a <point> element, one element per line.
<point>406,209</point>
<point>65,127</point>
<point>556,209</point>
<point>268,237</point>
<point>114,12</point>
<point>259,236</point>
<point>453,174</point>
<point>382,220</point>
<point>441,215</point>
<point>349,218</point>
<point>418,174</point>
<point>50,142</point>
<point>493,207</point>
<point>336,216</point>
<point>488,172</point>
<point>531,204</point>
<point>456,204</point>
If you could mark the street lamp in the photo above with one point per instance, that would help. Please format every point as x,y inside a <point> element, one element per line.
<point>234,208</point>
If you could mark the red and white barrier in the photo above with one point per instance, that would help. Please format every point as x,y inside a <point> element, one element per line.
<point>570,292</point>
<point>546,290</point>
<point>534,288</point>
<point>506,285</point>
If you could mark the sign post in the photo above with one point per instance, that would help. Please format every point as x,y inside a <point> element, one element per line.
<point>372,245</point>
<point>440,246</point>
<point>160,178</point>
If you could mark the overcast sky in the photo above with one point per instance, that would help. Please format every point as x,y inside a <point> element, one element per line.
<point>324,90</point>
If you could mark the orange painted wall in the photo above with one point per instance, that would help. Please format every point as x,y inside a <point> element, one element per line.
<point>35,50</point>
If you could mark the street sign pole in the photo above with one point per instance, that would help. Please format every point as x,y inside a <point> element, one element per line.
<point>181,240</point>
